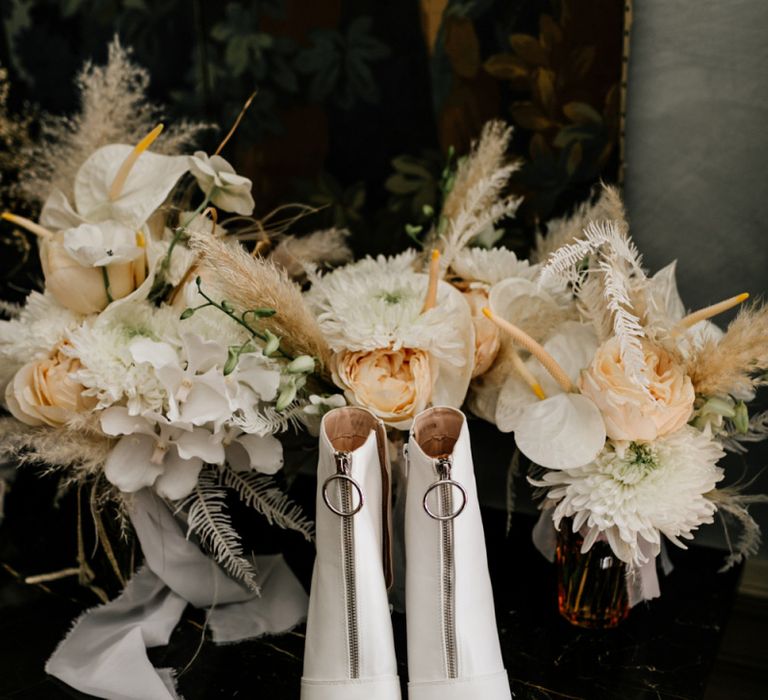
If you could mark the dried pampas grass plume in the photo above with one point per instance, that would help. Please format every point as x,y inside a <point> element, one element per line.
<point>113,109</point>
<point>728,365</point>
<point>82,451</point>
<point>570,229</point>
<point>300,255</point>
<point>250,283</point>
<point>475,201</point>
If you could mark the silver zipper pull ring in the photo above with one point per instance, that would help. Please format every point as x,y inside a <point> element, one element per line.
<point>343,469</point>
<point>444,472</point>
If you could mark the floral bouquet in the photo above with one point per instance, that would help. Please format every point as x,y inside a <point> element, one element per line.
<point>161,359</point>
<point>629,405</point>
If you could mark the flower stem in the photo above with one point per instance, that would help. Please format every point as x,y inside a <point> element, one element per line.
<point>105,277</point>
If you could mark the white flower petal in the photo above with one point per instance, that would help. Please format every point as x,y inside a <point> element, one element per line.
<point>515,396</point>
<point>523,302</point>
<point>128,465</point>
<point>106,243</point>
<point>116,420</point>
<point>179,476</point>
<point>155,353</point>
<point>202,355</point>
<point>57,212</point>
<point>207,401</point>
<point>265,453</point>
<point>452,381</point>
<point>149,182</point>
<point>561,432</point>
<point>201,443</point>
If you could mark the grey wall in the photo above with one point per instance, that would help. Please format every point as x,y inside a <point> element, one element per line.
<point>697,152</point>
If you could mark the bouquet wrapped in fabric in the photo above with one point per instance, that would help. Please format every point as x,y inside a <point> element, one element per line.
<point>144,371</point>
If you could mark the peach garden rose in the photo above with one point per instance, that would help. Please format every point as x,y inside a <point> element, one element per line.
<point>629,411</point>
<point>394,384</point>
<point>43,391</point>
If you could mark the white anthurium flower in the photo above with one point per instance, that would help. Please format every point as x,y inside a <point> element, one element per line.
<point>197,392</point>
<point>527,304</point>
<point>564,430</point>
<point>221,184</point>
<point>156,453</point>
<point>106,243</point>
<point>664,299</point>
<point>117,182</point>
<point>248,452</point>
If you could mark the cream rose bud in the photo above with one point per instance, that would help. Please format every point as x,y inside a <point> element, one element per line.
<point>393,384</point>
<point>486,332</point>
<point>82,288</point>
<point>630,412</point>
<point>43,392</point>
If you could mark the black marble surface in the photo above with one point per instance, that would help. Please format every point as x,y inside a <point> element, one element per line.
<point>665,649</point>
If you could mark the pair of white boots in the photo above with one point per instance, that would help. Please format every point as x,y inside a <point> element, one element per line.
<point>453,643</point>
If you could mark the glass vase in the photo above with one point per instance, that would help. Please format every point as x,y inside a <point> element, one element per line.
<point>591,587</point>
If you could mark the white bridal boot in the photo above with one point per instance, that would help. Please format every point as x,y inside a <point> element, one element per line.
<point>453,643</point>
<point>349,652</point>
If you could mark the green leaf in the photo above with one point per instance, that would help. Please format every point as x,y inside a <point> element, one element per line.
<point>233,357</point>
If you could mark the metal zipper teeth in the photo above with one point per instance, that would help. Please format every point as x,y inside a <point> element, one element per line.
<point>448,572</point>
<point>344,465</point>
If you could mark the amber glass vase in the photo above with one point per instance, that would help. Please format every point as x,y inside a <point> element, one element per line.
<point>591,588</point>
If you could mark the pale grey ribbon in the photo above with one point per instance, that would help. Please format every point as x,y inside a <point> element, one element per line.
<point>642,585</point>
<point>105,652</point>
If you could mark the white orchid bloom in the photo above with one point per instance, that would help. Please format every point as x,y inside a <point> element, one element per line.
<point>106,243</point>
<point>554,428</point>
<point>119,183</point>
<point>248,452</point>
<point>221,184</point>
<point>256,378</point>
<point>156,453</point>
<point>197,392</point>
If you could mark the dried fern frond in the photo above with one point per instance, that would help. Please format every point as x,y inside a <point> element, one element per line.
<point>81,453</point>
<point>733,365</point>
<point>267,420</point>
<point>261,492</point>
<point>730,502</point>
<point>570,229</point>
<point>207,518</point>
<point>113,109</point>
<point>300,254</point>
<point>475,201</point>
<point>250,283</point>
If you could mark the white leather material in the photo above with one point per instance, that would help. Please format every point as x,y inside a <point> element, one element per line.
<point>480,687</point>
<point>326,653</point>
<point>480,666</point>
<point>361,689</point>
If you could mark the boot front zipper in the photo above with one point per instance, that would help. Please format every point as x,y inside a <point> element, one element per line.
<point>346,488</point>
<point>448,568</point>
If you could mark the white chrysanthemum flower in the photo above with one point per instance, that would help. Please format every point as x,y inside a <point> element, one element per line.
<point>377,303</point>
<point>635,492</point>
<point>33,334</point>
<point>491,265</point>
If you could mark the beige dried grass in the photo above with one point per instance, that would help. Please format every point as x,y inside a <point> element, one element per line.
<point>248,283</point>
<point>735,363</point>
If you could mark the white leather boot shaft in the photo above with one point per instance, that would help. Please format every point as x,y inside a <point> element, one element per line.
<point>349,652</point>
<point>453,642</point>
